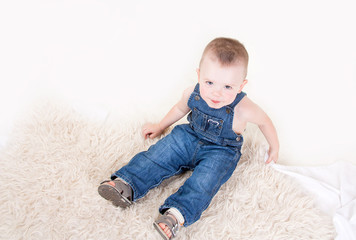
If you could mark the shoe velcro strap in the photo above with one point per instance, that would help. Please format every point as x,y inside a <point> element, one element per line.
<point>171,223</point>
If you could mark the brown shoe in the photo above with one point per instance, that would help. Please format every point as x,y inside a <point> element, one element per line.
<point>116,191</point>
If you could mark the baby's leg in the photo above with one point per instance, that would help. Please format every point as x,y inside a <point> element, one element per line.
<point>166,158</point>
<point>214,166</point>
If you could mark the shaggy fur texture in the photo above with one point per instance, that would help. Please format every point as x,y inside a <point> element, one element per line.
<point>55,160</point>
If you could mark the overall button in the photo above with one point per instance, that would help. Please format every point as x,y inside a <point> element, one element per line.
<point>197,98</point>
<point>238,138</point>
<point>228,111</point>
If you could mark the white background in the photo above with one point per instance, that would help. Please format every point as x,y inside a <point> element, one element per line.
<point>125,57</point>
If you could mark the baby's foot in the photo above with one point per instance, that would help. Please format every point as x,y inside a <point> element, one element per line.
<point>166,230</point>
<point>110,183</point>
<point>167,226</point>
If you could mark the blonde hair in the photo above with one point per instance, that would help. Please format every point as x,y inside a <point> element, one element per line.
<point>227,50</point>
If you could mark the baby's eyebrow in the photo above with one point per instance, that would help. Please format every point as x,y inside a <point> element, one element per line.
<point>207,79</point>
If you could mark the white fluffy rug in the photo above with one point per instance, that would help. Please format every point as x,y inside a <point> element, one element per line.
<point>56,158</point>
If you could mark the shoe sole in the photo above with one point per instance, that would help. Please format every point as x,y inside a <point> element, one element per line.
<point>111,194</point>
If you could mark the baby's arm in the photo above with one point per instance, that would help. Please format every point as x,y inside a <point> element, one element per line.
<point>251,112</point>
<point>178,111</point>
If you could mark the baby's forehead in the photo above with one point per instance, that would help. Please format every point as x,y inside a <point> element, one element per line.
<point>211,67</point>
<point>214,61</point>
<point>223,61</point>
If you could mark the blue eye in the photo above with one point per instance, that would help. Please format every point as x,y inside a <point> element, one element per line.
<point>228,87</point>
<point>209,83</point>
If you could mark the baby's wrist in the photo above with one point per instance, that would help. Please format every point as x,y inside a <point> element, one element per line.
<point>160,127</point>
<point>274,147</point>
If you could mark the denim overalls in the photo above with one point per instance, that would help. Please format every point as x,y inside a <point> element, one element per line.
<point>207,145</point>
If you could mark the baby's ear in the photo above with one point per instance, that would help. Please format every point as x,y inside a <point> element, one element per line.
<point>198,73</point>
<point>243,84</point>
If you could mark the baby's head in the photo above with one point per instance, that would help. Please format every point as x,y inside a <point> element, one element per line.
<point>222,71</point>
<point>227,51</point>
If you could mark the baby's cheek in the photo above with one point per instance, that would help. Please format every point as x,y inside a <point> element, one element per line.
<point>230,97</point>
<point>204,95</point>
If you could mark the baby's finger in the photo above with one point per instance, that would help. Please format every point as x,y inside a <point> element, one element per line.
<point>152,135</point>
<point>270,160</point>
<point>146,133</point>
<point>143,133</point>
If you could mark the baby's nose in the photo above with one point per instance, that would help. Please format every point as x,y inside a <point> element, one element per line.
<point>217,92</point>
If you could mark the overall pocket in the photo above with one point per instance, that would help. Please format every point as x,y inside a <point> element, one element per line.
<point>210,125</point>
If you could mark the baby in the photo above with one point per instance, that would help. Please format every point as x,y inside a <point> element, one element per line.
<point>209,145</point>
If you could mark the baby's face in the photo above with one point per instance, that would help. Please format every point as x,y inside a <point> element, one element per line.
<point>219,84</point>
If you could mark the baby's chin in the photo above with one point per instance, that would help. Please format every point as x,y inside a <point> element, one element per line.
<point>216,105</point>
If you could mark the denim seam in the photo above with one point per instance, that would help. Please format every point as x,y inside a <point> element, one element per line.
<point>232,163</point>
<point>197,148</point>
<point>231,122</point>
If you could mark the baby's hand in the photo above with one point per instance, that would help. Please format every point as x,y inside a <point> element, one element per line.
<point>151,130</point>
<point>272,156</point>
